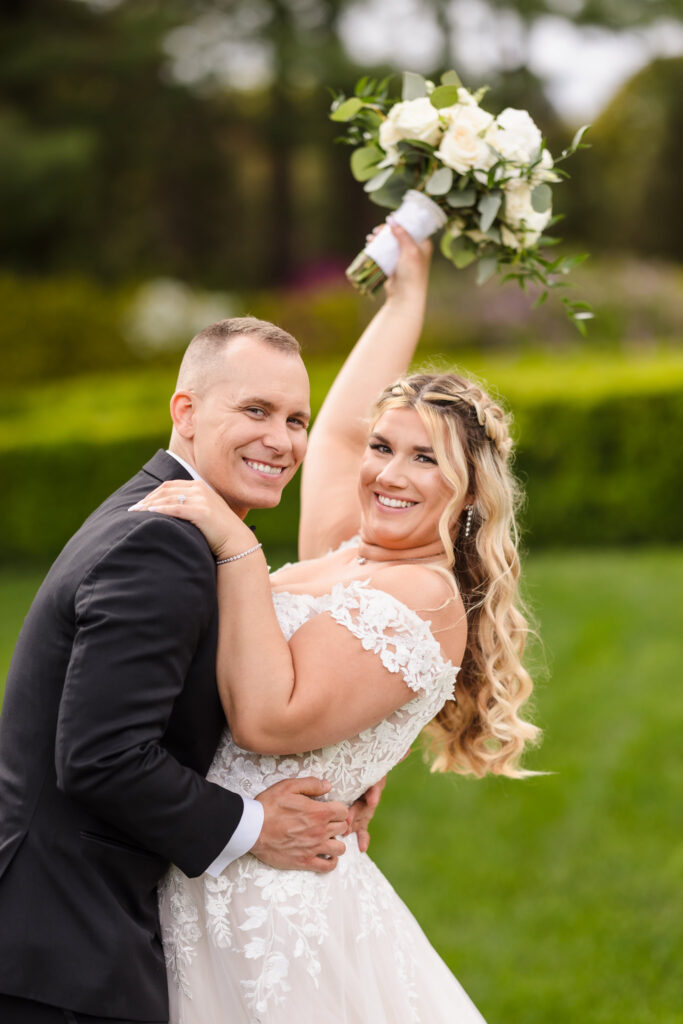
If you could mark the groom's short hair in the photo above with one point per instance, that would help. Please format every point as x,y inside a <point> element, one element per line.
<point>201,354</point>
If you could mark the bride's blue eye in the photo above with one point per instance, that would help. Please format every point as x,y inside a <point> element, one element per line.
<point>421,457</point>
<point>377,447</point>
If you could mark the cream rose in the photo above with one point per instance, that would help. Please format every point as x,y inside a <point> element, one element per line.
<point>468,113</point>
<point>462,147</point>
<point>412,119</point>
<point>523,224</point>
<point>515,136</point>
<point>543,171</point>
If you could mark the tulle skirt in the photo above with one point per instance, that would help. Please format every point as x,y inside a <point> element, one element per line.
<point>261,946</point>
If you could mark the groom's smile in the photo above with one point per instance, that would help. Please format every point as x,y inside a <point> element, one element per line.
<point>264,467</point>
<point>245,430</point>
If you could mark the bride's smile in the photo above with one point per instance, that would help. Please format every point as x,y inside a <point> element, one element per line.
<point>402,490</point>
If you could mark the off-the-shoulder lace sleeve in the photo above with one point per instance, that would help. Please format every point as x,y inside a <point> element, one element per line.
<point>386,626</point>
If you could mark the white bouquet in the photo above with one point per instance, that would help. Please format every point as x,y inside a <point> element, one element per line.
<point>443,162</point>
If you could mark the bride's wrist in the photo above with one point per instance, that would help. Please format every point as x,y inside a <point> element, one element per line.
<point>241,554</point>
<point>235,545</point>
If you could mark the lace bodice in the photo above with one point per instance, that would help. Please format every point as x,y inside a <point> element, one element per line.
<point>404,643</point>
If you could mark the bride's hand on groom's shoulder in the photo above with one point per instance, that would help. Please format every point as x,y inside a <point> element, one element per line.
<point>194,501</point>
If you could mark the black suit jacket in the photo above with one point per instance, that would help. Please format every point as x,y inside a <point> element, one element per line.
<point>110,721</point>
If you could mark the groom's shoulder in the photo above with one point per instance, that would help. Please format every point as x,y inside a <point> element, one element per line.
<point>112,530</point>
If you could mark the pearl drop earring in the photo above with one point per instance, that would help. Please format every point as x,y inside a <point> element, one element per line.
<point>468,522</point>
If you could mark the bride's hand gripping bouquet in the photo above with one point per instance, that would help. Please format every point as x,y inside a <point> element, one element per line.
<point>444,163</point>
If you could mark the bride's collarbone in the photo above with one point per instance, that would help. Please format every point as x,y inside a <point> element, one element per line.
<point>319,576</point>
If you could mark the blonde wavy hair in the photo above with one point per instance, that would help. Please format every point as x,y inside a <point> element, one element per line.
<point>481,731</point>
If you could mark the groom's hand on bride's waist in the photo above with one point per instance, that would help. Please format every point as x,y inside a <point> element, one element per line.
<point>298,830</point>
<point>361,812</point>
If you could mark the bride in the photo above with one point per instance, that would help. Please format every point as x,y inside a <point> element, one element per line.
<point>401,614</point>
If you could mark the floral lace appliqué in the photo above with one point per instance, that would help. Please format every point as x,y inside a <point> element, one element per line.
<point>277,922</point>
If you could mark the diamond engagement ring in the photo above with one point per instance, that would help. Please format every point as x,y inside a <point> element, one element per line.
<point>182,498</point>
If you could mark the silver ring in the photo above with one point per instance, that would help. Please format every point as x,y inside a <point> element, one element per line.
<point>182,498</point>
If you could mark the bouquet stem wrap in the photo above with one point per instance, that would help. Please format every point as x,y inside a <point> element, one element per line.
<point>420,216</point>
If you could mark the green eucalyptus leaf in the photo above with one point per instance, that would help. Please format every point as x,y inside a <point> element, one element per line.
<point>541,198</point>
<point>439,183</point>
<point>488,207</point>
<point>451,78</point>
<point>364,162</point>
<point>457,199</point>
<point>379,179</point>
<point>480,93</point>
<point>567,263</point>
<point>369,118</point>
<point>348,109</point>
<point>486,269</point>
<point>576,141</point>
<point>446,243</point>
<point>444,96</point>
<point>414,86</point>
<point>462,252</point>
<point>410,145</point>
<point>391,193</point>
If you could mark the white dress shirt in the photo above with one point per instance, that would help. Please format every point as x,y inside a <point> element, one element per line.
<point>251,822</point>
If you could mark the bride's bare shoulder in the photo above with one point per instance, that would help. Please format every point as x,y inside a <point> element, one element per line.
<point>433,595</point>
<point>418,586</point>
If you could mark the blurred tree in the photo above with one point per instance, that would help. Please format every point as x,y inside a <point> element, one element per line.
<point>190,137</point>
<point>626,193</point>
<point>107,166</point>
<point>617,14</point>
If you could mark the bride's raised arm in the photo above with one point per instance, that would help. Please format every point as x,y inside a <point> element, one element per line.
<point>329,505</point>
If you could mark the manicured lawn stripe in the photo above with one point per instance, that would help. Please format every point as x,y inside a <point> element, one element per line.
<point>555,900</point>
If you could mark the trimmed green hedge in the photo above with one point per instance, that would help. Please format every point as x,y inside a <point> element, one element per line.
<point>598,468</point>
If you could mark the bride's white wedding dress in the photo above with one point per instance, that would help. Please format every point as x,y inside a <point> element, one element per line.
<point>264,946</point>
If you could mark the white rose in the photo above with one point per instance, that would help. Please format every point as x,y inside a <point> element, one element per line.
<point>388,134</point>
<point>543,171</point>
<point>469,114</point>
<point>509,238</point>
<point>515,136</point>
<point>413,119</point>
<point>462,147</point>
<point>466,98</point>
<point>523,224</point>
<point>463,150</point>
<point>518,207</point>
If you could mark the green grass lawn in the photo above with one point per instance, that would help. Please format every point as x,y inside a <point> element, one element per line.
<point>556,900</point>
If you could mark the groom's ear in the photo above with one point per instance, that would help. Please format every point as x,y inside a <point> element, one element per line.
<point>183,406</point>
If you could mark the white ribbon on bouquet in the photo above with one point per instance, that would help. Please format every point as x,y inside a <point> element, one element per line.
<point>419,215</point>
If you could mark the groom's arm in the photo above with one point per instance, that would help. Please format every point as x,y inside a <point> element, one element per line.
<point>140,615</point>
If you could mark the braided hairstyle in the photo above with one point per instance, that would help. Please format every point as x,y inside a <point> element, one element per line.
<point>481,731</point>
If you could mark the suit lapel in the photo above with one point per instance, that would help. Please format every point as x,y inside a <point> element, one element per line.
<point>163,466</point>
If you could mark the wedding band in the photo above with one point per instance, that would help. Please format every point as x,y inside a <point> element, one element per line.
<point>182,498</point>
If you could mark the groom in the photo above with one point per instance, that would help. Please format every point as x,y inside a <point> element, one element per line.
<point>111,715</point>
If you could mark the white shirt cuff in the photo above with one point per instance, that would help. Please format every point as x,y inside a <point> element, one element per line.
<point>242,839</point>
